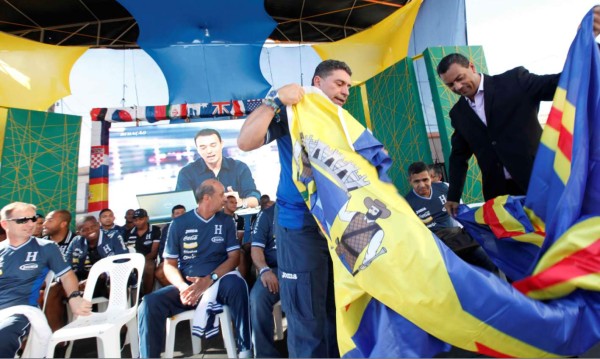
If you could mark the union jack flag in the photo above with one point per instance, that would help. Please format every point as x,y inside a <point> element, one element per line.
<point>221,107</point>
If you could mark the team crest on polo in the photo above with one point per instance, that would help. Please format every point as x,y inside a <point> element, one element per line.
<point>217,239</point>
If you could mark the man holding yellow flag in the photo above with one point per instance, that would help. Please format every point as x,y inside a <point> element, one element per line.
<point>305,268</point>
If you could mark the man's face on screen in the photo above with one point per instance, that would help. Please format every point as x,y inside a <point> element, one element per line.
<point>210,149</point>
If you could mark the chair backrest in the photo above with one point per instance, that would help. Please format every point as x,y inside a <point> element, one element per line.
<point>119,268</point>
<point>48,282</point>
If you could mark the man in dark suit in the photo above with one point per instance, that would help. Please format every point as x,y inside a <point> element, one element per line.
<point>495,119</point>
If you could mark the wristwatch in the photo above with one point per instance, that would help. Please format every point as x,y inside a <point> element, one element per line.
<point>272,100</point>
<point>214,276</point>
<point>74,294</point>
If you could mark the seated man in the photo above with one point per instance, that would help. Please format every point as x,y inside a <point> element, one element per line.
<point>436,173</point>
<point>229,209</point>
<point>201,248</point>
<point>107,220</point>
<point>24,262</point>
<point>427,200</point>
<point>91,245</point>
<point>145,238</point>
<point>39,225</point>
<point>265,292</point>
<point>57,228</point>
<point>128,226</point>
<point>159,273</point>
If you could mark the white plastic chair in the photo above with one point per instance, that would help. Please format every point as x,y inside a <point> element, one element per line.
<point>48,282</point>
<point>106,326</point>
<point>100,302</point>
<point>226,331</point>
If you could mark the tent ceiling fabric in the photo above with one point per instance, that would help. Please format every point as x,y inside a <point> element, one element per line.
<point>106,23</point>
<point>209,53</point>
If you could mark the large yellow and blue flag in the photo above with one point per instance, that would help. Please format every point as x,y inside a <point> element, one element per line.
<point>564,191</point>
<point>400,292</point>
<point>553,234</point>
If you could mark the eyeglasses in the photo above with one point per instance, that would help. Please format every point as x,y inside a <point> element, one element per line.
<point>23,220</point>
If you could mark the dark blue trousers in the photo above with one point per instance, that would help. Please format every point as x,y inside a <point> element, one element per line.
<point>306,284</point>
<point>156,307</point>
<point>261,316</point>
<point>12,332</point>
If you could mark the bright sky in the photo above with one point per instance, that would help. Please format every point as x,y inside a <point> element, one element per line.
<point>535,34</point>
<point>531,33</point>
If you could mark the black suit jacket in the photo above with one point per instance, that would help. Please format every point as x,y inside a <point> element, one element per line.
<point>512,134</point>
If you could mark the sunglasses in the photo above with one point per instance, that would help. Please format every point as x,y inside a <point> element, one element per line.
<point>23,220</point>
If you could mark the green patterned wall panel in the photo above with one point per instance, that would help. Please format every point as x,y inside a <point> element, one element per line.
<point>443,100</point>
<point>354,105</point>
<point>396,118</point>
<point>40,159</point>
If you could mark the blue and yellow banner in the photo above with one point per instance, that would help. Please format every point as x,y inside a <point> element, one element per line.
<point>565,188</point>
<point>400,291</point>
<point>562,205</point>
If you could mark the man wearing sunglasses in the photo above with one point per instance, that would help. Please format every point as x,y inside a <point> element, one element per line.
<point>24,262</point>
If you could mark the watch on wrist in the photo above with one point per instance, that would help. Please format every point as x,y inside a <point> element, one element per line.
<point>274,96</point>
<point>74,294</point>
<point>214,276</point>
<point>272,100</point>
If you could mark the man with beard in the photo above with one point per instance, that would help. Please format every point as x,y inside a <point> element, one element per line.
<point>56,228</point>
<point>362,231</point>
